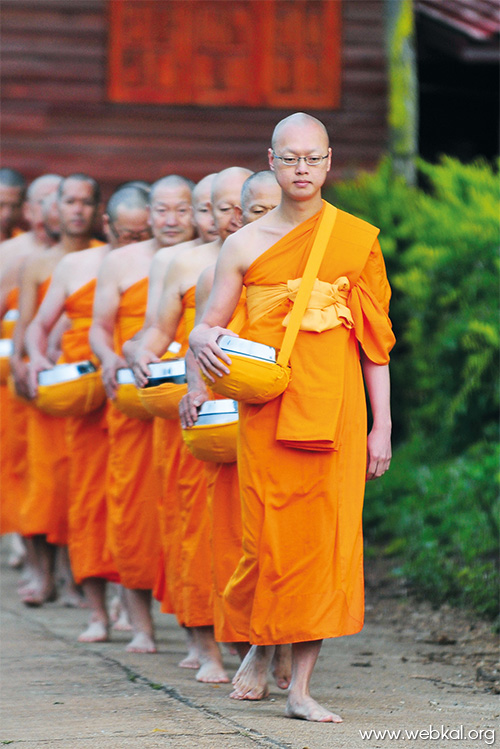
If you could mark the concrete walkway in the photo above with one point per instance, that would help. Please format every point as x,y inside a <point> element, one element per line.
<point>400,673</point>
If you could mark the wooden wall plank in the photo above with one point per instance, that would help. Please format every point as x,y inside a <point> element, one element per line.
<point>55,114</point>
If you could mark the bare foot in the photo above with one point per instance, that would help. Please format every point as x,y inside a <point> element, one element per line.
<point>212,672</point>
<point>192,659</point>
<point>27,588</point>
<point>95,632</point>
<point>17,556</point>
<point>115,608</point>
<point>122,624</point>
<point>250,681</point>
<point>141,643</point>
<point>281,666</point>
<point>231,648</point>
<point>37,596</point>
<point>306,708</point>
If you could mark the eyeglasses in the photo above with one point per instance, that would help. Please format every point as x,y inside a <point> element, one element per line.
<point>128,236</point>
<point>294,160</point>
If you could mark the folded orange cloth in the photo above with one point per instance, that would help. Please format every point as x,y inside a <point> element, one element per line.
<point>44,508</point>
<point>88,448</point>
<point>134,487</point>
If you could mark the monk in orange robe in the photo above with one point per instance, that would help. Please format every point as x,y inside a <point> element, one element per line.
<point>12,190</point>
<point>13,424</point>
<point>304,456</point>
<point>166,433</point>
<point>72,292</point>
<point>260,194</point>
<point>178,299</point>
<point>134,479</point>
<point>44,508</point>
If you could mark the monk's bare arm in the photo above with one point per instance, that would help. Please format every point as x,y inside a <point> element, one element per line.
<point>148,346</point>
<point>224,297</point>
<point>55,337</point>
<point>37,333</point>
<point>203,289</point>
<point>157,273</point>
<point>106,303</point>
<point>197,393</point>
<point>377,381</point>
<point>9,276</point>
<point>28,288</point>
<point>197,390</point>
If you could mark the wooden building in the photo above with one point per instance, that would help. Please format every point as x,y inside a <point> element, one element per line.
<point>136,89</point>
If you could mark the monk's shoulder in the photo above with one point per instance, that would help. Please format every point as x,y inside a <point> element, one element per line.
<point>76,262</point>
<point>206,280</point>
<point>12,246</point>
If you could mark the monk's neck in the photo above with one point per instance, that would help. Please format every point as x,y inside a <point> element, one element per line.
<point>74,244</point>
<point>41,239</point>
<point>295,212</point>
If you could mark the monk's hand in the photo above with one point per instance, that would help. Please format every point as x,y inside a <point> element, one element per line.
<point>210,357</point>
<point>53,352</point>
<point>109,368</point>
<point>35,366</point>
<point>19,369</point>
<point>189,405</point>
<point>140,366</point>
<point>378,456</point>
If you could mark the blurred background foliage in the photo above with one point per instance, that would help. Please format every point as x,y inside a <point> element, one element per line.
<point>437,509</point>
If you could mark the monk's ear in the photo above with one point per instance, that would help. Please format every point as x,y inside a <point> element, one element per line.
<point>239,214</point>
<point>27,211</point>
<point>106,227</point>
<point>270,159</point>
<point>329,162</point>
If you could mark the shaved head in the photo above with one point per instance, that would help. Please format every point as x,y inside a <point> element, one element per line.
<point>39,189</point>
<point>140,183</point>
<point>129,198</point>
<point>12,178</point>
<point>80,177</point>
<point>226,199</point>
<point>232,175</point>
<point>202,209</point>
<point>172,181</point>
<point>171,207</point>
<point>259,182</point>
<point>204,187</point>
<point>44,184</point>
<point>12,192</point>
<point>301,120</point>
<point>127,217</point>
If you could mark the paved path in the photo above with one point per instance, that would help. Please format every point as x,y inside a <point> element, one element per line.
<point>58,693</point>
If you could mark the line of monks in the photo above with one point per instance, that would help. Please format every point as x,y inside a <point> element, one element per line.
<point>124,495</point>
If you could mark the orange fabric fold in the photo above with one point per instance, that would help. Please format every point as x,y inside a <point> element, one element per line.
<point>224,504</point>
<point>88,448</point>
<point>13,421</point>
<point>44,509</point>
<point>134,488</point>
<point>301,574</point>
<point>167,441</point>
<point>196,593</point>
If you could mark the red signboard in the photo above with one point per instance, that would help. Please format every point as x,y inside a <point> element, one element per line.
<point>267,53</point>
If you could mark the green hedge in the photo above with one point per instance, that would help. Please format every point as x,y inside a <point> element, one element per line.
<point>437,508</point>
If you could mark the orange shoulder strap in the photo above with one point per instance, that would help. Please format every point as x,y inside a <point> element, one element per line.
<point>316,255</point>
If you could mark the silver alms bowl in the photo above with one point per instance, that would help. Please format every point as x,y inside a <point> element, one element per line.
<point>218,412</point>
<point>244,347</point>
<point>65,372</point>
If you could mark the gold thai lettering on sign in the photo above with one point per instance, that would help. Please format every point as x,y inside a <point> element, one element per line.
<point>216,52</point>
